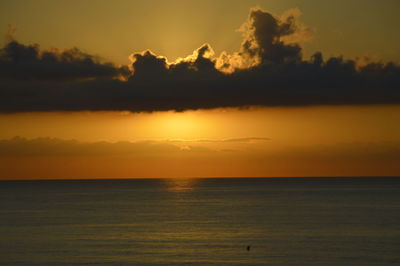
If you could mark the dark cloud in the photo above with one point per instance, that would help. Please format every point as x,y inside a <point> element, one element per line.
<point>268,70</point>
<point>264,35</point>
<point>28,62</point>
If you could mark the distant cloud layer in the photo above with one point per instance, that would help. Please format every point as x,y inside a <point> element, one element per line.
<point>19,146</point>
<point>57,158</point>
<point>268,70</point>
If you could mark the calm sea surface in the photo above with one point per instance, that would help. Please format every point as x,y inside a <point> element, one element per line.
<point>305,221</point>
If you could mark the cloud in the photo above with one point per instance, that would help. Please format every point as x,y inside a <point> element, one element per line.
<point>22,158</point>
<point>233,140</point>
<point>248,140</point>
<point>264,40</point>
<point>19,146</point>
<point>267,70</point>
<point>28,62</point>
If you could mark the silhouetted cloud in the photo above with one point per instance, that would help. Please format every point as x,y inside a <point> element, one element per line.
<point>268,70</point>
<point>28,62</point>
<point>267,39</point>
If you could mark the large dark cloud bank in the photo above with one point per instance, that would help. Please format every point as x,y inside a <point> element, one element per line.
<point>268,70</point>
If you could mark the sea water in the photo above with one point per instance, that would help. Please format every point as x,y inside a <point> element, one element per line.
<point>285,221</point>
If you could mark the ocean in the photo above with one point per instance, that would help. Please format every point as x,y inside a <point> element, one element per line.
<point>232,221</point>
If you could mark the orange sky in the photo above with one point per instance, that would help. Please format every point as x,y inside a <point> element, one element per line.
<point>362,139</point>
<point>260,142</point>
<point>174,28</point>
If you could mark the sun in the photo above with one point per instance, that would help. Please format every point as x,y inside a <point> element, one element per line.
<point>185,125</point>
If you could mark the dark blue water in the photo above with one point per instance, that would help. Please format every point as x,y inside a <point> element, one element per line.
<point>315,221</point>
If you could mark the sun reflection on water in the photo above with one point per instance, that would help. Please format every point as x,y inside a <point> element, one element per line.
<point>180,184</point>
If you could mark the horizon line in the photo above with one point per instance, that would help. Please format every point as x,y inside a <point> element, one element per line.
<point>152,178</point>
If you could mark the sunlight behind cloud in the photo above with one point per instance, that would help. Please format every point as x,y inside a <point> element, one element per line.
<point>186,125</point>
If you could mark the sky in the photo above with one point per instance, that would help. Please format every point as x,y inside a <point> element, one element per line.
<point>153,89</point>
<point>115,29</point>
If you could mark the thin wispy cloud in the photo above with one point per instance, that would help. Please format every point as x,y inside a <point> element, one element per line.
<point>57,158</point>
<point>231,140</point>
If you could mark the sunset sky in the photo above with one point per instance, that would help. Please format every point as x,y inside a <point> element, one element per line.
<point>140,89</point>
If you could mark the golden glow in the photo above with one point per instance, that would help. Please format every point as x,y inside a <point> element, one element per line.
<point>310,141</point>
<point>181,125</point>
<point>312,125</point>
<point>175,28</point>
<point>180,184</point>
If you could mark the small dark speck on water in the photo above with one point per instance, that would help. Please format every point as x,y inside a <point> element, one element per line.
<point>248,248</point>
